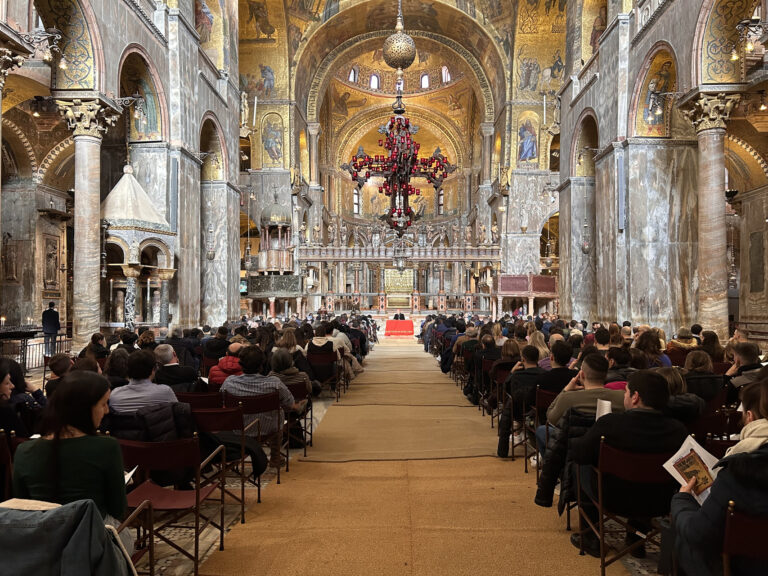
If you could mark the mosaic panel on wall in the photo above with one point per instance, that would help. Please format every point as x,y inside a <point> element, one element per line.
<point>594,21</point>
<point>272,131</point>
<point>653,109</point>
<point>720,38</point>
<point>76,43</point>
<point>136,79</point>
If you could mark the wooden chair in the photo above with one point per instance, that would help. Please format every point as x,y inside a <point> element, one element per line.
<point>543,400</point>
<point>716,446</point>
<point>206,365</point>
<point>498,377</point>
<point>677,356</point>
<point>6,466</point>
<point>327,369</point>
<point>644,471</point>
<point>200,401</point>
<point>214,420</point>
<point>745,535</point>
<point>176,504</point>
<point>299,392</point>
<point>143,518</point>
<point>720,367</point>
<point>262,404</point>
<point>485,381</point>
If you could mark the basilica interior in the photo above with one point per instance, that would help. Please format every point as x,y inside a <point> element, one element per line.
<point>185,167</point>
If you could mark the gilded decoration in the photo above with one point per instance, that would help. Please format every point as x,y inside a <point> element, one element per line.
<point>720,39</point>
<point>272,141</point>
<point>212,168</point>
<point>86,117</point>
<point>528,143</point>
<point>136,79</point>
<point>653,110</point>
<point>745,171</point>
<point>594,21</point>
<point>76,45</point>
<point>539,47</point>
<point>711,111</point>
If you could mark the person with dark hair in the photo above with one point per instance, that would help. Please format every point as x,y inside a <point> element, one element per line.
<point>710,343</point>
<point>746,364</point>
<point>253,383</point>
<point>140,390</point>
<point>641,428</point>
<point>116,368</point>
<point>96,348</point>
<point>71,462</point>
<point>575,339</point>
<point>602,340</point>
<point>146,340</point>
<point>59,365</point>
<point>699,377</point>
<point>696,332</point>
<point>648,342</point>
<point>51,327</point>
<point>682,405</point>
<point>216,347</point>
<point>87,364</point>
<point>24,392</point>
<point>743,476</point>
<point>584,390</point>
<point>619,369</point>
<point>283,368</point>
<point>128,342</point>
<point>9,417</point>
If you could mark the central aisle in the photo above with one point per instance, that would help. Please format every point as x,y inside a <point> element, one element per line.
<point>401,480</point>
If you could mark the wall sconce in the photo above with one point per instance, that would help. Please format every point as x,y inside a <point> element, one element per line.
<point>210,243</point>
<point>205,156</point>
<point>749,29</point>
<point>584,150</point>
<point>104,228</point>
<point>139,106</point>
<point>47,41</point>
<point>586,238</point>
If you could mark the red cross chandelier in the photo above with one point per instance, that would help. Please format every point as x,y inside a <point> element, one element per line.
<point>400,161</point>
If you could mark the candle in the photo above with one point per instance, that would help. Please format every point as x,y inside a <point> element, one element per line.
<point>255,103</point>
<point>2,320</point>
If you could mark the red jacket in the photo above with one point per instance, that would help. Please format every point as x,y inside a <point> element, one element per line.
<point>227,366</point>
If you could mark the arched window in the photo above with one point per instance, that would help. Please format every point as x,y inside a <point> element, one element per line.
<point>424,81</point>
<point>400,85</point>
<point>353,74</point>
<point>356,201</point>
<point>375,82</point>
<point>446,75</point>
<point>440,201</point>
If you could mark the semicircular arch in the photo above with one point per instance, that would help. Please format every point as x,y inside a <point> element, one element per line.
<point>157,84</point>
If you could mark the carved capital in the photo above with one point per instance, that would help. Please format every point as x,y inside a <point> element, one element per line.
<point>711,110</point>
<point>486,129</point>
<point>8,61</point>
<point>131,270</point>
<point>86,118</point>
<point>313,128</point>
<point>166,274</point>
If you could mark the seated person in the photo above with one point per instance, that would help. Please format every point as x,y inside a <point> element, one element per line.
<point>128,342</point>
<point>699,377</point>
<point>140,390</point>
<point>682,405</point>
<point>216,347</point>
<point>746,365</point>
<point>228,365</point>
<point>520,385</point>
<point>97,347</point>
<point>24,392</point>
<point>59,365</point>
<point>252,383</point>
<point>116,368</point>
<point>283,368</point>
<point>146,340</point>
<point>71,462</point>
<point>88,364</point>
<point>170,372</point>
<point>641,428</point>
<point>743,478</point>
<point>619,368</point>
<point>583,392</point>
<point>9,417</point>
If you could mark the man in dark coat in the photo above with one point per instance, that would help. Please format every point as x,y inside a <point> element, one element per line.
<point>51,327</point>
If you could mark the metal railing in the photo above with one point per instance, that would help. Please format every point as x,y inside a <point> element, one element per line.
<point>34,353</point>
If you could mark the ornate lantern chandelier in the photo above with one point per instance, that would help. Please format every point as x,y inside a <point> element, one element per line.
<point>400,161</point>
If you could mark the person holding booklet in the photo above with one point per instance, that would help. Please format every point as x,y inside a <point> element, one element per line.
<point>742,477</point>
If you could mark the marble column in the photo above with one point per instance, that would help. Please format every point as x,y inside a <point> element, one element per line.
<point>299,311</point>
<point>88,119</point>
<point>215,255</point>
<point>486,129</point>
<point>708,114</point>
<point>165,274</point>
<point>313,130</point>
<point>272,306</point>
<point>132,272</point>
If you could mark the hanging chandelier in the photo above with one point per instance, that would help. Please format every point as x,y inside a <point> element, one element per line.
<point>400,161</point>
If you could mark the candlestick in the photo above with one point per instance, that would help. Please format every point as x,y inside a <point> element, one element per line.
<point>255,103</point>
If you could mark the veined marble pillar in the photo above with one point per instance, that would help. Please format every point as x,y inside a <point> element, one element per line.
<point>272,306</point>
<point>486,129</point>
<point>215,254</point>
<point>89,120</point>
<point>708,115</point>
<point>313,130</point>
<point>165,274</point>
<point>132,272</point>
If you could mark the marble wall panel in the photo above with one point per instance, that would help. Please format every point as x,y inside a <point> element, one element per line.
<point>151,169</point>
<point>753,296</point>
<point>214,304</point>
<point>605,238</point>
<point>662,233</point>
<point>232,247</point>
<point>187,301</point>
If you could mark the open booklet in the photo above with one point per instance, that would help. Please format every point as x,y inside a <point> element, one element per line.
<point>690,461</point>
<point>129,475</point>
<point>603,408</point>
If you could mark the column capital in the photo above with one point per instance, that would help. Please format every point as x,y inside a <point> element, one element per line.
<point>486,129</point>
<point>166,274</point>
<point>8,61</point>
<point>313,128</point>
<point>131,270</point>
<point>711,111</point>
<point>86,117</point>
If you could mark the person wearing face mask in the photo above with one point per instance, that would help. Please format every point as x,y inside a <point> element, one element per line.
<point>743,477</point>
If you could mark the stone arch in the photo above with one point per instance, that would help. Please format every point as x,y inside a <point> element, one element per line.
<point>715,37</point>
<point>587,136</point>
<point>81,44</point>
<point>638,124</point>
<point>120,243</point>
<point>164,255</point>
<point>157,84</point>
<point>20,144</point>
<point>212,142</point>
<point>52,156</point>
<point>324,72</point>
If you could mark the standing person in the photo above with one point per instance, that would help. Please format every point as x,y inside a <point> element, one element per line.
<point>51,327</point>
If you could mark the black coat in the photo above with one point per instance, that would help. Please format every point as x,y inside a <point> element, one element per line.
<point>699,530</point>
<point>556,379</point>
<point>51,324</point>
<point>704,384</point>
<point>175,374</point>
<point>640,431</point>
<point>215,348</point>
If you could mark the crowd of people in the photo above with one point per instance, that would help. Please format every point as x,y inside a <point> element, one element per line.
<point>659,391</point>
<point>131,379</point>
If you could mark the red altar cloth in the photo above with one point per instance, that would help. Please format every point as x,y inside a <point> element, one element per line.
<point>399,328</point>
